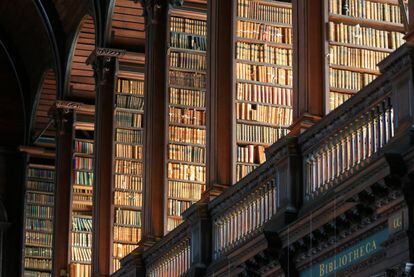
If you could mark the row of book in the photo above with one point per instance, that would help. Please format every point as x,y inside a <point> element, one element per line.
<point>83,147</point>
<point>266,114</point>
<point>128,119</point>
<point>357,35</point>
<point>259,134</point>
<point>126,217</point>
<point>185,190</point>
<point>264,11</point>
<point>128,182</point>
<point>80,270</point>
<point>83,178</point>
<point>41,225</point>
<point>82,224</point>
<point>38,252</point>
<point>38,263</point>
<point>243,170</point>
<point>83,163</point>
<point>185,41</point>
<point>186,153</point>
<point>263,53</point>
<point>120,250</point>
<point>128,198</point>
<point>173,222</point>
<point>128,167</point>
<point>186,172</point>
<point>129,136</point>
<point>30,273</point>
<point>187,79</point>
<point>128,151</point>
<point>130,102</point>
<point>130,86</point>
<point>39,198</point>
<point>130,234</point>
<point>187,116</point>
<point>263,32</point>
<point>81,254</point>
<point>264,94</point>
<point>186,134</point>
<point>82,197</point>
<point>40,186</point>
<point>355,57</point>
<point>81,239</point>
<point>177,207</point>
<point>41,173</point>
<point>349,80</point>
<point>187,97</point>
<point>188,60</point>
<point>39,211</point>
<point>264,74</point>
<point>254,154</point>
<point>43,239</point>
<point>336,99</point>
<point>187,25</point>
<point>372,10</point>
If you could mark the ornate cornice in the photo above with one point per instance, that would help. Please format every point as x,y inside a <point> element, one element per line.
<point>104,52</point>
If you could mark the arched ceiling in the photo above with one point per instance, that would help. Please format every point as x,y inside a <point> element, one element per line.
<point>81,81</point>
<point>41,118</point>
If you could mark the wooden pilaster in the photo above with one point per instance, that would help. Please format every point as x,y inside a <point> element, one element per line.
<point>64,119</point>
<point>308,64</point>
<point>220,97</point>
<point>155,120</point>
<point>104,63</point>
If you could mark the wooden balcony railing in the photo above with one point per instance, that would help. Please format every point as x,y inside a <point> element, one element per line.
<point>298,172</point>
<point>356,133</point>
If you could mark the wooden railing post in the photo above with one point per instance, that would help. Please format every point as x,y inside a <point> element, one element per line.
<point>201,238</point>
<point>289,184</point>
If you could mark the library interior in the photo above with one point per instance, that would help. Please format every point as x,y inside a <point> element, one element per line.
<point>168,138</point>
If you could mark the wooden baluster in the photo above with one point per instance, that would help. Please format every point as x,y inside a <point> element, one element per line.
<point>329,162</point>
<point>308,177</point>
<point>274,197</point>
<point>392,126</point>
<point>254,218</point>
<point>267,200</point>
<point>377,130</point>
<point>323,166</point>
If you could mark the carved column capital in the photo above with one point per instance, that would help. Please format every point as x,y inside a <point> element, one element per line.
<point>103,62</point>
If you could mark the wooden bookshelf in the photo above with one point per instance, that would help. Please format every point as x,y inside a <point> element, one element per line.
<point>359,35</point>
<point>186,104</point>
<point>263,79</point>
<point>38,218</point>
<point>82,195</point>
<point>128,171</point>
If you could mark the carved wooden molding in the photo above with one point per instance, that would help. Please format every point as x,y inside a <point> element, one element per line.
<point>152,7</point>
<point>75,106</point>
<point>104,52</point>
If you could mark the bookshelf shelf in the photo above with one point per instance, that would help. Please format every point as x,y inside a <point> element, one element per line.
<point>81,198</point>
<point>383,25</point>
<point>38,217</point>
<point>263,79</point>
<point>359,35</point>
<point>128,166</point>
<point>265,22</point>
<point>265,42</point>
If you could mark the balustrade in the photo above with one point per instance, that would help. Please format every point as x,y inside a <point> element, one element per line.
<point>352,145</point>
<point>175,262</point>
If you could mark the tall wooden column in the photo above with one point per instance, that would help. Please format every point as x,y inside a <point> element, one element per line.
<point>64,119</point>
<point>308,64</point>
<point>410,35</point>
<point>155,120</point>
<point>104,63</point>
<point>220,97</point>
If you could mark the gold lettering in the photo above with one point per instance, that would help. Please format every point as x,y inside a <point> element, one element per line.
<point>321,270</point>
<point>356,254</point>
<point>350,256</point>
<point>344,260</point>
<point>361,252</point>
<point>374,245</point>
<point>397,223</point>
<point>330,267</point>
<point>368,247</point>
